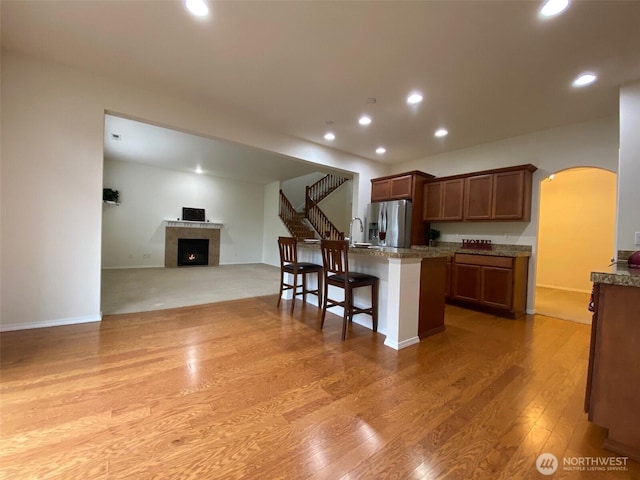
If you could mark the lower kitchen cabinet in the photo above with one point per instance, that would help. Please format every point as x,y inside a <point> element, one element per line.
<point>494,283</point>
<point>432,294</point>
<point>613,376</point>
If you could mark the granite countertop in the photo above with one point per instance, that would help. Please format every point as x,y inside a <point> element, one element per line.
<point>618,275</point>
<point>498,250</point>
<point>441,250</point>
<point>386,252</point>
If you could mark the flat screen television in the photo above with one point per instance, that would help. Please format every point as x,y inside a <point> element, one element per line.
<point>193,214</point>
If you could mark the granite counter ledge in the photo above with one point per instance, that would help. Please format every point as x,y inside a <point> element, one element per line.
<point>618,275</point>
<point>452,251</point>
<point>386,252</point>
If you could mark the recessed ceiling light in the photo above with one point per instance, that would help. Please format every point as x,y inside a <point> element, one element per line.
<point>414,98</point>
<point>198,169</point>
<point>584,79</point>
<point>329,136</point>
<point>197,7</point>
<point>364,120</point>
<point>381,150</point>
<point>553,7</point>
<point>441,132</point>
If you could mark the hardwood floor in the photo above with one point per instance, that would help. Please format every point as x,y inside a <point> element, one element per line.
<point>241,389</point>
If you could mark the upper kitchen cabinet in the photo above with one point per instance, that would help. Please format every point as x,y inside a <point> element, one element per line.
<point>443,200</point>
<point>397,187</point>
<point>404,186</point>
<point>502,194</point>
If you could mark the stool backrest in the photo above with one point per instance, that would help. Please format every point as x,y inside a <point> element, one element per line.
<point>288,250</point>
<point>335,258</point>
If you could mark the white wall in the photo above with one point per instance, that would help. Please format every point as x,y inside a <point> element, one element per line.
<point>592,144</point>
<point>295,188</point>
<point>52,156</point>
<point>148,195</point>
<point>629,173</point>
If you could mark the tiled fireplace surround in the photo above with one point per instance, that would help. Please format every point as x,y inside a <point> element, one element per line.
<point>172,234</point>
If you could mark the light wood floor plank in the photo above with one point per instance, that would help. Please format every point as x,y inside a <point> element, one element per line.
<point>243,390</point>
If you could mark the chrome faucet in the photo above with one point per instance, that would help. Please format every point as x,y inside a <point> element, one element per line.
<point>351,242</point>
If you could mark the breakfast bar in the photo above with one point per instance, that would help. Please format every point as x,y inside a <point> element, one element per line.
<point>411,293</point>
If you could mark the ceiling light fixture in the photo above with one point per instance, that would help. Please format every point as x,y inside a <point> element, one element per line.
<point>364,120</point>
<point>198,8</point>
<point>198,169</point>
<point>552,8</point>
<point>414,98</point>
<point>329,136</point>
<point>441,132</point>
<point>584,79</point>
<point>381,150</point>
<point>552,176</point>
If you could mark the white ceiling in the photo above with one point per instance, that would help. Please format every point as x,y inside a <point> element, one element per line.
<point>487,69</point>
<point>165,148</point>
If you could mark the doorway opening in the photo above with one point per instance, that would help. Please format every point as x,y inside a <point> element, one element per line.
<point>576,236</point>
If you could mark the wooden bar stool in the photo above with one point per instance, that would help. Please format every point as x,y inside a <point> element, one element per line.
<point>288,247</point>
<point>335,261</point>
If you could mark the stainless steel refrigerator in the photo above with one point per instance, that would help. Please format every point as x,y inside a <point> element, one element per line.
<point>389,223</point>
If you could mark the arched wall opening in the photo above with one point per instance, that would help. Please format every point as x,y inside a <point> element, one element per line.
<point>576,235</point>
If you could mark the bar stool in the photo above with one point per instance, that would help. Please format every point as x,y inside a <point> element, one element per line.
<point>289,264</point>
<point>335,261</point>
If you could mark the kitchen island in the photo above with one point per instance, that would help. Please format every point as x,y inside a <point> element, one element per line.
<point>411,292</point>
<point>613,378</point>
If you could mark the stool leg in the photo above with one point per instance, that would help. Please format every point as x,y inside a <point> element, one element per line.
<point>374,305</point>
<point>304,288</point>
<point>281,285</point>
<point>324,301</point>
<point>295,290</point>
<point>347,310</point>
<point>320,288</point>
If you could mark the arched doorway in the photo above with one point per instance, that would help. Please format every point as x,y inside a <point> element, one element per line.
<point>576,235</point>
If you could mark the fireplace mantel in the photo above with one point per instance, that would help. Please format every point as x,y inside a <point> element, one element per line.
<point>190,224</point>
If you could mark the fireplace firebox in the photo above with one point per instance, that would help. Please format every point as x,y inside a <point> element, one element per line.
<point>193,251</point>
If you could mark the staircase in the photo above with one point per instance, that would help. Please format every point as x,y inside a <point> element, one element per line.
<point>298,222</point>
<point>294,220</point>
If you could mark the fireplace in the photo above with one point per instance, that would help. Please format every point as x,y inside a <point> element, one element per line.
<point>176,230</point>
<point>193,251</point>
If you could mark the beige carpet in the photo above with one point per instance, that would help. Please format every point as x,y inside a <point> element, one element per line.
<point>145,289</point>
<point>563,304</point>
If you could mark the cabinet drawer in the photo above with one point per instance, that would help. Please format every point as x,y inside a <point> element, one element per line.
<point>484,260</point>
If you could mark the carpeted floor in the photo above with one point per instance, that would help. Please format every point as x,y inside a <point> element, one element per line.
<point>145,289</point>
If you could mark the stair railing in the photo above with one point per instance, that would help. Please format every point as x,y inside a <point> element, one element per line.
<point>323,187</point>
<point>320,222</point>
<point>287,212</point>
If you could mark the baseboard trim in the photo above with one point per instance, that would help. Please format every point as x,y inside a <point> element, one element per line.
<point>564,289</point>
<point>402,344</point>
<point>51,323</point>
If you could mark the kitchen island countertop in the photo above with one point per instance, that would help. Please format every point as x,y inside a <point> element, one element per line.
<point>386,252</point>
<point>618,275</point>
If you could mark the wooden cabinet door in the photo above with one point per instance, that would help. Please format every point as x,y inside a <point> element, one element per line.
<point>401,187</point>
<point>380,190</point>
<point>508,195</point>
<point>477,204</point>
<point>466,282</point>
<point>452,199</point>
<point>497,287</point>
<point>432,201</point>
<point>448,279</point>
